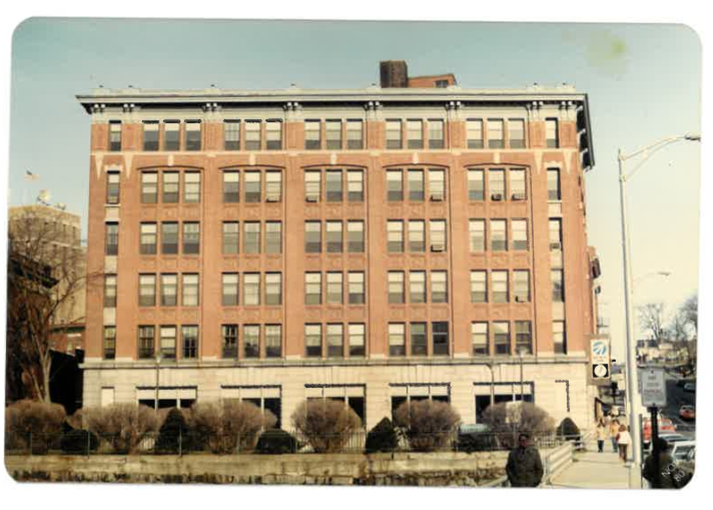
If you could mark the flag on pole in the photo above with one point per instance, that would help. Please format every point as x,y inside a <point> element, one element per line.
<point>30,176</point>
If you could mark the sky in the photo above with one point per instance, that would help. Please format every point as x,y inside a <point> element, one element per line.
<point>643,82</point>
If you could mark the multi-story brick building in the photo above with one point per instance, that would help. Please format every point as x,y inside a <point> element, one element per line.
<point>373,245</point>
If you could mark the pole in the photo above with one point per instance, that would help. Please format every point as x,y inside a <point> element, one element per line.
<point>522,382</point>
<point>158,363</point>
<point>632,384</point>
<point>655,447</point>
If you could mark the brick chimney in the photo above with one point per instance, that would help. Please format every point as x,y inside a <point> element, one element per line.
<point>394,73</point>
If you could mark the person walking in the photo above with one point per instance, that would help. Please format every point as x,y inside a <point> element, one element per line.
<point>613,433</point>
<point>602,434</point>
<point>623,440</point>
<point>524,466</point>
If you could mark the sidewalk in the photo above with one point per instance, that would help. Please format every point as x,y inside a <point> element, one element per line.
<point>593,470</point>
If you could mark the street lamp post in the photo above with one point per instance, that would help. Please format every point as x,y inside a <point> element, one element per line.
<point>632,384</point>
<point>158,366</point>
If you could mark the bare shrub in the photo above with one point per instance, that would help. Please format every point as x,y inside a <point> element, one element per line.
<point>123,426</point>
<point>326,424</point>
<point>227,428</point>
<point>429,425</point>
<point>41,420</point>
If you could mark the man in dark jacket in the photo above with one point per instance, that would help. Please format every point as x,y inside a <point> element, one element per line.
<point>524,467</point>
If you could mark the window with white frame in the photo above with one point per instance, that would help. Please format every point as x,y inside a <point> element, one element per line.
<point>333,186</point>
<point>230,282</point>
<point>437,185</point>
<point>253,138</point>
<point>335,340</point>
<point>436,134</point>
<point>500,286</point>
<point>190,290</point>
<point>498,235</point>
<point>231,235</point>
<point>416,191</point>
<point>521,285</point>
<point>356,288</point>
<point>313,288</point>
<point>313,340</point>
<point>273,135</point>
<point>518,189</point>
<point>501,337</point>
<point>439,287</point>
<point>555,227</point>
<point>168,342</point>
<point>273,186</point>
<point>474,130</point>
<point>335,288</point>
<point>191,237</point>
<point>495,134</point>
<point>557,286</point>
<point>273,289</point>
<point>273,341</point>
<point>110,291</point>
<point>251,341</point>
<point>559,337</point>
<point>149,187</point>
<point>393,134</point>
<point>313,134</point>
<point>478,286</point>
<point>476,231</point>
<point>437,235</point>
<point>115,135</point>
<point>149,238</point>
<point>516,133</point>
<point>171,132</point>
<point>523,337</point>
<point>193,136</point>
<point>479,338</point>
<point>395,236</point>
<point>394,186</point>
<point>231,187</point>
<point>273,237</point>
<point>251,289</point>
<point>519,235</point>
<point>333,131</point>
<point>417,286</point>
<point>357,340</point>
<point>333,237</point>
<point>396,287</point>
<point>355,185</point>
<point>397,339</point>
<point>553,184</point>
<point>476,185</point>
<point>496,184</point>
<point>355,236</point>
<point>169,290</point>
<point>414,133</point>
<point>171,187</point>
<point>416,236</point>
<point>231,135</point>
<point>147,290</point>
<point>313,185</point>
<point>253,185</point>
<point>191,187</point>
<point>552,133</point>
<point>150,136</point>
<point>355,134</point>
<point>313,236</point>
<point>113,184</point>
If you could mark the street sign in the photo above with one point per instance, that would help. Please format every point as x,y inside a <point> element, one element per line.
<point>600,360</point>
<point>653,387</point>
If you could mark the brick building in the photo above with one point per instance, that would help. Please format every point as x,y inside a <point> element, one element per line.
<point>373,245</point>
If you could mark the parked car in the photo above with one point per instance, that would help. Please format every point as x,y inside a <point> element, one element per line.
<point>665,426</point>
<point>687,412</point>
<point>671,439</point>
<point>690,387</point>
<point>683,450</point>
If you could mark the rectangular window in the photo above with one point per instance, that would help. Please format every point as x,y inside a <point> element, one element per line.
<point>355,236</point>
<point>555,226</point>
<point>335,340</point>
<point>439,287</point>
<point>521,284</point>
<point>436,134</point>
<point>355,282</point>
<point>518,190</point>
<point>168,342</point>
<point>479,338</point>
<point>437,235</point>
<point>251,237</point>
<point>169,290</point>
<point>397,339</point>
<point>416,192</point>
<point>500,286</point>
<point>393,134</point>
<point>231,135</point>
<point>355,135</point>
<point>273,237</point>
<point>148,238</point>
<point>231,237</point>
<point>313,135</point>
<point>478,287</point>
<point>113,182</point>
<point>313,340</point>
<point>396,287</point>
<point>476,185</point>
<point>419,339</point>
<point>394,186</point>
<point>519,235</point>
<point>253,140</point>
<point>150,136</point>
<point>476,231</point>
<point>474,128</point>
<point>516,133</point>
<point>253,191</point>
<point>231,187</point>
<point>191,187</point>
<point>335,288</point>
<point>251,289</point>
<point>189,334</point>
<point>149,187</point>
<point>553,184</point>
<point>229,332</point>
<point>273,135</point>
<point>193,136</point>
<point>416,236</point>
<point>334,185</point>
<point>251,341</point>
<point>112,239</point>
<point>191,238</point>
<point>313,288</point>
<point>273,341</point>
<point>557,286</point>
<point>273,186</point>
<point>498,235</point>
<point>110,291</point>
<point>313,185</point>
<point>147,290</point>
<point>114,136</point>
<point>437,185</point>
<point>559,337</point>
<point>147,336</point>
<point>501,337</point>
<point>395,236</point>
<point>414,131</point>
<point>355,185</point>
<point>334,134</point>
<point>313,236</point>
<point>190,290</point>
<point>496,184</point>
<point>334,237</point>
<point>495,134</point>
<point>109,342</point>
<point>230,283</point>
<point>171,140</point>
<point>417,286</point>
<point>273,289</point>
<point>170,187</point>
<point>441,341</point>
<point>357,340</point>
<point>523,337</point>
<point>552,133</point>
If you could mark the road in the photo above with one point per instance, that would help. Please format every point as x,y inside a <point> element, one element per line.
<point>676,397</point>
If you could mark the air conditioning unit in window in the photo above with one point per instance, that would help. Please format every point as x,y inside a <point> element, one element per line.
<point>518,196</point>
<point>436,197</point>
<point>555,246</point>
<point>438,248</point>
<point>496,197</point>
<point>520,299</point>
<point>312,198</point>
<point>272,198</point>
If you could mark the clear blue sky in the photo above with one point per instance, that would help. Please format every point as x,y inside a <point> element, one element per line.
<point>643,81</point>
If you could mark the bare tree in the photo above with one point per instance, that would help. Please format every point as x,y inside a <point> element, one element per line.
<point>652,318</point>
<point>689,309</point>
<point>46,273</point>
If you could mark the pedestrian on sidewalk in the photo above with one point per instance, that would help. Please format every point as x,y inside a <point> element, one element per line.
<point>524,466</point>
<point>602,434</point>
<point>613,433</point>
<point>623,439</point>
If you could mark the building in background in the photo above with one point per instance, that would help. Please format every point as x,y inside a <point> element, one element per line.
<point>376,245</point>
